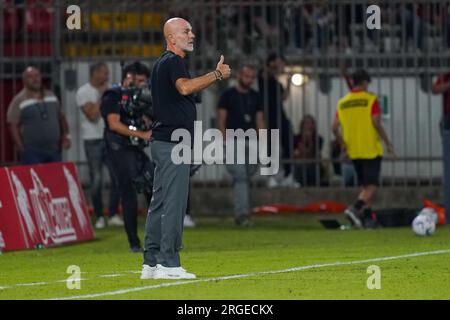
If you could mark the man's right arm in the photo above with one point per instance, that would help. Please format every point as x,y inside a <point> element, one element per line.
<point>91,110</point>
<point>186,86</point>
<point>13,119</point>
<point>117,126</point>
<point>222,120</point>
<point>17,137</point>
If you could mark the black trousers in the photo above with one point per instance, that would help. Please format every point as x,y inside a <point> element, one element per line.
<point>129,163</point>
<point>286,142</point>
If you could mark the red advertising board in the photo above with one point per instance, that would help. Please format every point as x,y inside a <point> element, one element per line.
<point>42,205</point>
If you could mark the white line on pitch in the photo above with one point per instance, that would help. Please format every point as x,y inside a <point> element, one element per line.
<point>240,276</point>
<point>32,284</point>
<point>42,283</point>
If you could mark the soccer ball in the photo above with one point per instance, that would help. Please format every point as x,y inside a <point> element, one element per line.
<point>423,225</point>
<point>431,213</point>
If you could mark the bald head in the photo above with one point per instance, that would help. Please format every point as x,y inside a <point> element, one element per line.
<point>173,24</point>
<point>32,79</point>
<point>179,36</point>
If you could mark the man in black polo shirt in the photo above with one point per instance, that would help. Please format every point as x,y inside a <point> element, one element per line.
<point>240,107</point>
<point>174,108</point>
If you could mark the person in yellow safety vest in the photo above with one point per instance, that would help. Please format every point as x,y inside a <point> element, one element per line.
<point>357,127</point>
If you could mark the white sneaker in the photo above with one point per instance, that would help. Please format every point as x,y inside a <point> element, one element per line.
<point>115,221</point>
<point>100,223</point>
<point>188,222</point>
<point>272,182</point>
<point>162,272</point>
<point>148,272</point>
<point>290,182</point>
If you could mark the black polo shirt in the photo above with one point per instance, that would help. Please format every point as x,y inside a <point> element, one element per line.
<point>171,109</point>
<point>110,104</point>
<point>271,92</point>
<point>241,108</point>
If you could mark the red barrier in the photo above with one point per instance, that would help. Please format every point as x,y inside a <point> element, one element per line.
<point>42,205</point>
<point>314,207</point>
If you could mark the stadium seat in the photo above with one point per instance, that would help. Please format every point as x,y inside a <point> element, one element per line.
<point>10,18</point>
<point>39,16</point>
<point>31,49</point>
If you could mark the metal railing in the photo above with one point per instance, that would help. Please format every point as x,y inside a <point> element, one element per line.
<point>317,38</point>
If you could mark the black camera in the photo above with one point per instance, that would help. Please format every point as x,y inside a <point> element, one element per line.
<point>137,103</point>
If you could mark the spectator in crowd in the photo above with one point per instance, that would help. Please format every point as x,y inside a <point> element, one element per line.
<point>442,86</point>
<point>342,165</point>
<point>358,117</point>
<point>92,126</point>
<point>240,108</point>
<point>272,96</point>
<point>319,20</point>
<point>308,146</point>
<point>267,24</point>
<point>38,125</point>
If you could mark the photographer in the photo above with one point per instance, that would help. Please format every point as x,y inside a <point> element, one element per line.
<point>126,110</point>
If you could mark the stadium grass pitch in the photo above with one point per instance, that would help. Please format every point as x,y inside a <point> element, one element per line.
<point>334,264</point>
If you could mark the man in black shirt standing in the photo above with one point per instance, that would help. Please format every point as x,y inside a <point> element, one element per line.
<point>273,96</point>
<point>174,108</point>
<point>128,161</point>
<point>240,107</point>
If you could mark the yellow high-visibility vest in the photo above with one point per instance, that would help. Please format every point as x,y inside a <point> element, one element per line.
<point>355,116</point>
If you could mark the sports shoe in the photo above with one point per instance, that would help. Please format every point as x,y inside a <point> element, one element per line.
<point>290,182</point>
<point>136,250</point>
<point>115,221</point>
<point>188,222</point>
<point>371,224</point>
<point>162,272</point>
<point>272,182</point>
<point>100,223</point>
<point>148,272</point>
<point>352,215</point>
<point>369,221</point>
<point>243,221</point>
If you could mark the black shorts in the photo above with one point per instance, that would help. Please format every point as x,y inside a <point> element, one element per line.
<point>367,171</point>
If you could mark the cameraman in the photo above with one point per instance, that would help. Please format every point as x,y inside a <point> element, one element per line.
<point>124,143</point>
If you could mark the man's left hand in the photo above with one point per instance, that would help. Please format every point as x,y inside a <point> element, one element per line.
<point>66,141</point>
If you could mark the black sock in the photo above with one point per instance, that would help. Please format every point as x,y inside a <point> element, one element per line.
<point>359,204</point>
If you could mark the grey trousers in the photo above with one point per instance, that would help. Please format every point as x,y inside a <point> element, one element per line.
<point>164,225</point>
<point>241,174</point>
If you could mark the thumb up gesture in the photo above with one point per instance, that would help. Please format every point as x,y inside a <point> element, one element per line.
<point>224,69</point>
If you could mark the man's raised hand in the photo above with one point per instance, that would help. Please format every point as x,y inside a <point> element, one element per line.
<point>224,69</point>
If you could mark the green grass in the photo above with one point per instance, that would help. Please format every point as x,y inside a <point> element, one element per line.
<point>216,248</point>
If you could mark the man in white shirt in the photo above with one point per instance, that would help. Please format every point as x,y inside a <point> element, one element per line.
<point>92,126</point>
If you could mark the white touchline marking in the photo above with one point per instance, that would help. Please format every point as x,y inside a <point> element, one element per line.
<point>239,276</point>
<point>30,284</point>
